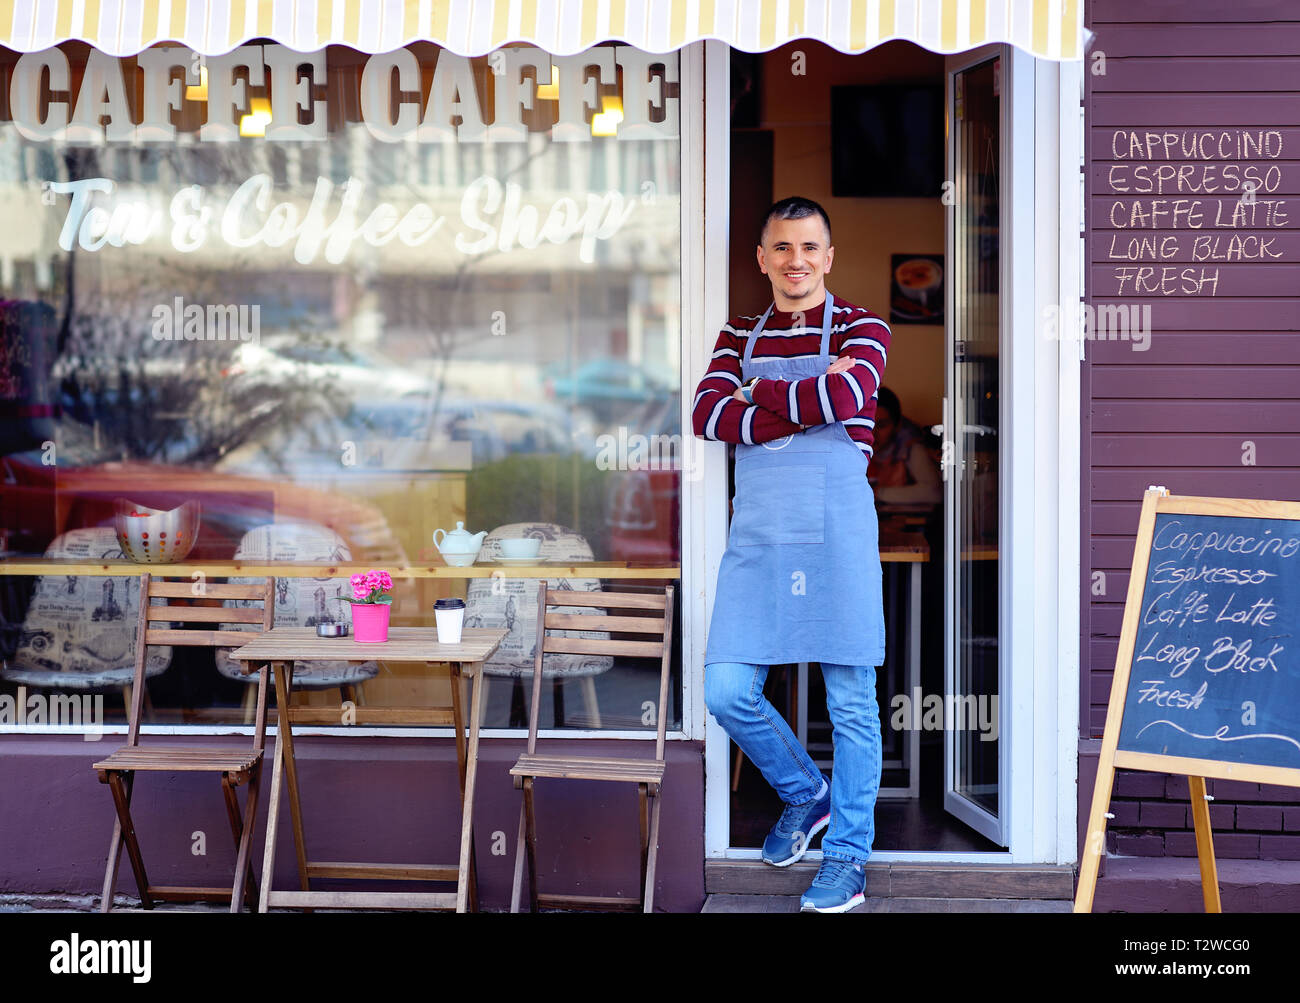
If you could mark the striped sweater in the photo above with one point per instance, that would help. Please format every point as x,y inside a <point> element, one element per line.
<point>782,406</point>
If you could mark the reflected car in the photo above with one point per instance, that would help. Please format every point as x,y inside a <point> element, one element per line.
<point>41,502</point>
<point>353,373</point>
<point>507,428</point>
<point>403,435</point>
<point>608,387</point>
<point>26,502</point>
<point>644,505</point>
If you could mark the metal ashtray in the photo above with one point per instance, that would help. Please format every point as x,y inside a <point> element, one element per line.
<point>331,630</point>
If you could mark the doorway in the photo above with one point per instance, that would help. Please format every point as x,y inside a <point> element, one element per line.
<point>875,139</point>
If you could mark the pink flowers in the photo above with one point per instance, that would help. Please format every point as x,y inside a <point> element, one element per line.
<point>372,587</point>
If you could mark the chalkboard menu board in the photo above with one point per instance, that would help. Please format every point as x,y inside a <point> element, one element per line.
<point>1215,670</point>
<point>1207,676</point>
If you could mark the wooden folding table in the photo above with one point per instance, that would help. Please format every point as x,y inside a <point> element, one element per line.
<point>281,647</point>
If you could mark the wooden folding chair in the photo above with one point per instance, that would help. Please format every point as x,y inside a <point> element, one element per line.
<point>653,616</point>
<point>160,625</point>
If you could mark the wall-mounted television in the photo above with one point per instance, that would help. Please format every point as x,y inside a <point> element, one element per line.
<point>887,141</point>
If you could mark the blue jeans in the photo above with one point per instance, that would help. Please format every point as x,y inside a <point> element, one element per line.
<point>733,692</point>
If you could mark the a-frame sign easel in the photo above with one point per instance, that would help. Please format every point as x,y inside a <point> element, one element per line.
<point>1233,766</point>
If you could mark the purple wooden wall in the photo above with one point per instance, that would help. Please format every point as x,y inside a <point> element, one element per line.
<point>1219,379</point>
<point>370,799</point>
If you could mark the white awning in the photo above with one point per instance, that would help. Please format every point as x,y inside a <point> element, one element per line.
<point>1050,29</point>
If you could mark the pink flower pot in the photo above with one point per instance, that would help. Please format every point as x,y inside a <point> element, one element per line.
<point>370,622</point>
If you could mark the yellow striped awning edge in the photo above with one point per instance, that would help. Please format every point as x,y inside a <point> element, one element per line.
<point>1049,29</point>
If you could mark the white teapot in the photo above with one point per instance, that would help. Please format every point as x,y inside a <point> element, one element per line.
<point>459,548</point>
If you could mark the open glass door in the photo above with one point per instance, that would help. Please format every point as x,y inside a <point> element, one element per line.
<point>972,747</point>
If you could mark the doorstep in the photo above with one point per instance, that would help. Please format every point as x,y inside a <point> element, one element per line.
<point>932,883</point>
<point>721,903</point>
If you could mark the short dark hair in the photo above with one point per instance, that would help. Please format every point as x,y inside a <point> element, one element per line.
<point>795,207</point>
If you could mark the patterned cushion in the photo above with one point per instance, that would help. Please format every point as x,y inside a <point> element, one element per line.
<point>300,602</point>
<point>512,603</point>
<point>80,631</point>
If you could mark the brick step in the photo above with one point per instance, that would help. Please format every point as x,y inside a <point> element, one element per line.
<point>1173,884</point>
<point>896,880</point>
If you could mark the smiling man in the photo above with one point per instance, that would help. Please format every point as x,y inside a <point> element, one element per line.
<point>795,389</point>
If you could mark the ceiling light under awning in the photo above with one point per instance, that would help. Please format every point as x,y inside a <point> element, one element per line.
<point>255,122</point>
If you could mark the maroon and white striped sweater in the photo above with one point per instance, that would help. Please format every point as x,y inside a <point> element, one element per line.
<point>781,406</point>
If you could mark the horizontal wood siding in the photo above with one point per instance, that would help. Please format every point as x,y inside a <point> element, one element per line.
<point>1214,382</point>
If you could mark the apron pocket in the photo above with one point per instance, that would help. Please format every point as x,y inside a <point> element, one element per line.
<point>779,504</point>
<point>816,439</point>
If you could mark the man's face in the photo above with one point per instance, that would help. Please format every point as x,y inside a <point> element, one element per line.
<point>796,255</point>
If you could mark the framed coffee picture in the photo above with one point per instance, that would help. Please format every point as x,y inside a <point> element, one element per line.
<point>916,289</point>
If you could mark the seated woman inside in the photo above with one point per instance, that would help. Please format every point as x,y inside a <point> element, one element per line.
<point>902,471</point>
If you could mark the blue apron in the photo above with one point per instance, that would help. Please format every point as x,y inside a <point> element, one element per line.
<point>800,580</point>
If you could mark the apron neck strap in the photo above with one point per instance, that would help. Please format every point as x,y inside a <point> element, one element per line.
<point>753,335</point>
<point>828,314</point>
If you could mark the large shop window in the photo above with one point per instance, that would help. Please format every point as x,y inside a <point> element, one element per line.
<point>339,302</point>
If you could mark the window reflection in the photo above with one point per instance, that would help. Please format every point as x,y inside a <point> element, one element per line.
<point>373,389</point>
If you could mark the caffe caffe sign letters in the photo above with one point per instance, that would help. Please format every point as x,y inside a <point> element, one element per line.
<point>116,102</point>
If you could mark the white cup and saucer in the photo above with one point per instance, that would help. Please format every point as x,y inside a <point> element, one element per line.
<point>519,551</point>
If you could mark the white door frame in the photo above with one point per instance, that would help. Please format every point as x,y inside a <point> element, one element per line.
<point>1041,416</point>
<point>703,504</point>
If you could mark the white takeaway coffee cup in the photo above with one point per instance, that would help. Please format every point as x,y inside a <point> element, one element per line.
<point>450,615</point>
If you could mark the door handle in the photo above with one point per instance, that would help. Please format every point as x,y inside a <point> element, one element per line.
<point>946,445</point>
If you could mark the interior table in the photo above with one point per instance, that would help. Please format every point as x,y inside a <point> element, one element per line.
<point>281,647</point>
<point>896,549</point>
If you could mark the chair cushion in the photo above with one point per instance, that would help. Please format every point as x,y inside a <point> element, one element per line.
<point>300,602</point>
<point>80,631</point>
<point>512,603</point>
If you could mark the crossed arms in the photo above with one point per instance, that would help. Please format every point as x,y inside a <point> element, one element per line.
<point>783,407</point>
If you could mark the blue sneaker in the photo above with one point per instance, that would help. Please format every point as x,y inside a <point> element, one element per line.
<point>795,829</point>
<point>838,887</point>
